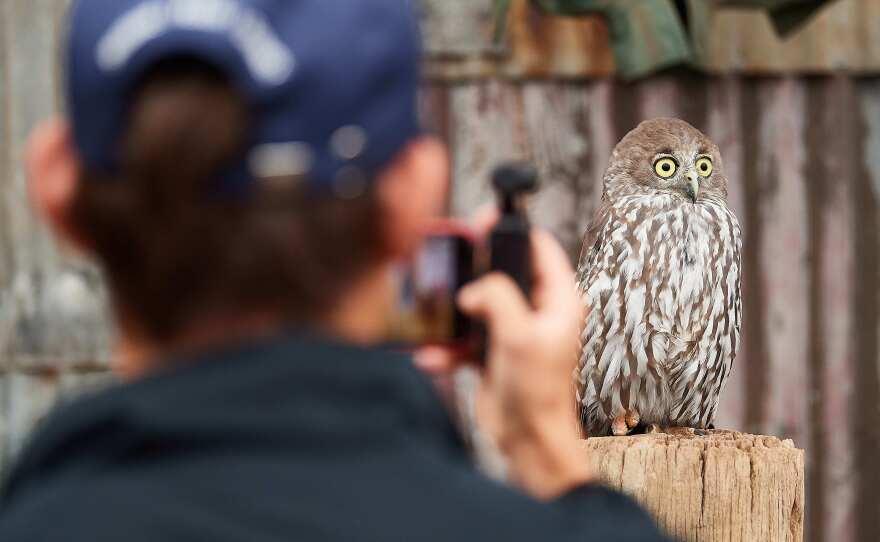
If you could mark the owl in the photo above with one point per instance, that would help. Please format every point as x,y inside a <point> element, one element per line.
<point>659,274</point>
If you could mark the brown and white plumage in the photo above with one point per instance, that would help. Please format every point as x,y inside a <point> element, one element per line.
<point>660,275</point>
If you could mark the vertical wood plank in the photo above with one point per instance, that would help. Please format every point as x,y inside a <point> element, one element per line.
<point>659,97</point>
<point>829,178</point>
<point>31,41</point>
<point>626,112</point>
<point>435,114</point>
<point>725,130</point>
<point>837,296</point>
<point>6,248</point>
<point>865,117</point>
<point>486,128</point>
<point>434,110</point>
<point>62,7</point>
<point>784,250</point>
<point>565,130</point>
<point>55,310</point>
<point>562,142</point>
<point>756,173</point>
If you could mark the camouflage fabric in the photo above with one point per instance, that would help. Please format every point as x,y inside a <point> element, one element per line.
<point>649,35</point>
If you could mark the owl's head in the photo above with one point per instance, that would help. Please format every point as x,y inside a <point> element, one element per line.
<point>666,156</point>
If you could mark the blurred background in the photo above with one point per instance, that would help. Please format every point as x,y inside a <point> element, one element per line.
<point>789,89</point>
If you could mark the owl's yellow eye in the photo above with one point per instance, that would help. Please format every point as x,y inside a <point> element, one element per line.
<point>665,167</point>
<point>704,166</point>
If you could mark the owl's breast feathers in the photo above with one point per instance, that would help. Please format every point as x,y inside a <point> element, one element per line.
<point>661,280</point>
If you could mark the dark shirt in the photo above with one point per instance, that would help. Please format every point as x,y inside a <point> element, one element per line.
<point>287,440</point>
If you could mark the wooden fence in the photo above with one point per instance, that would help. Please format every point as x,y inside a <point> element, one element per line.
<point>802,151</point>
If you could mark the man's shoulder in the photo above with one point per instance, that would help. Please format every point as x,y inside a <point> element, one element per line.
<point>462,508</point>
<point>430,500</point>
<point>461,496</point>
<point>98,510</point>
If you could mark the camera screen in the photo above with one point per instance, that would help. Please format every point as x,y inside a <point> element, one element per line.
<point>427,286</point>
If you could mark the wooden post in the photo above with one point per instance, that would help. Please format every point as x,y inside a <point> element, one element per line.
<point>724,486</point>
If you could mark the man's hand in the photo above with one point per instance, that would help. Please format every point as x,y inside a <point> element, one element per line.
<point>527,397</point>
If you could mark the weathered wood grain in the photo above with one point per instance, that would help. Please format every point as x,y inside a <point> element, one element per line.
<point>756,175</point>
<point>723,126</point>
<point>566,131</point>
<point>784,250</point>
<point>829,179</point>
<point>568,136</point>
<point>54,303</point>
<point>726,486</point>
<point>482,134</point>
<point>866,201</point>
<point>660,97</point>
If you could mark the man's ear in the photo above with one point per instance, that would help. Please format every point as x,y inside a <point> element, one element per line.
<point>413,194</point>
<point>53,170</point>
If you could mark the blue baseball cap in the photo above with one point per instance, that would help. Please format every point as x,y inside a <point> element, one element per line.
<point>332,84</point>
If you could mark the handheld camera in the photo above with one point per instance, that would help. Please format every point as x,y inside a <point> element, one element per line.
<point>451,258</point>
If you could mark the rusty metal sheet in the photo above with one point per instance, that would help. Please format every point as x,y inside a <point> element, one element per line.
<point>841,37</point>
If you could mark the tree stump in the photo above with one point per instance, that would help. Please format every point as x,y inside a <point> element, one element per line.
<point>724,486</point>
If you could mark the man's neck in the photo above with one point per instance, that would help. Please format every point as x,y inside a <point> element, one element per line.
<point>360,317</point>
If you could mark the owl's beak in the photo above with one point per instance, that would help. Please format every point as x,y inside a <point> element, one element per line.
<point>693,185</point>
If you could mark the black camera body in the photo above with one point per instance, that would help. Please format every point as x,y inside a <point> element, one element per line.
<point>451,258</point>
<point>510,246</point>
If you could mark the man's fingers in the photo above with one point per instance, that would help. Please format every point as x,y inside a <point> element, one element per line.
<point>484,220</point>
<point>496,299</point>
<point>436,361</point>
<point>553,275</point>
<point>554,284</point>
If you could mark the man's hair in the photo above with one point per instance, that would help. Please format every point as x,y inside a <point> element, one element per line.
<point>176,250</point>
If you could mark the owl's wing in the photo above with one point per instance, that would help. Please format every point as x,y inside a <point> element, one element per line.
<point>590,377</point>
<point>592,241</point>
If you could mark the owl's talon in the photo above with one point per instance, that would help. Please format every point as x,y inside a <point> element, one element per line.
<point>632,418</point>
<point>618,426</point>
<point>700,432</point>
<point>653,429</point>
<point>626,423</point>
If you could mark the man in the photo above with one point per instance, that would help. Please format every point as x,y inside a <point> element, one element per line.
<point>247,173</point>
